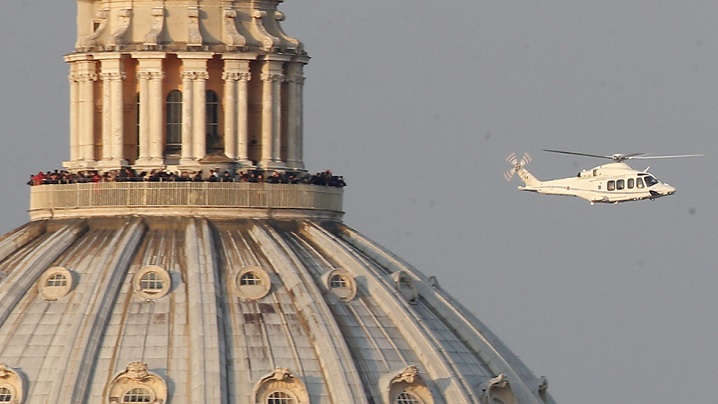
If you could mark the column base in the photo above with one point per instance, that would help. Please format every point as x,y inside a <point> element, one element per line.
<point>79,165</point>
<point>295,165</point>
<point>111,164</point>
<point>148,163</point>
<point>272,165</point>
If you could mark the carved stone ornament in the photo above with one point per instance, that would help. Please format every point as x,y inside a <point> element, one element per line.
<point>194,35</point>
<point>499,388</point>
<point>11,380</point>
<point>406,381</point>
<point>294,44</point>
<point>137,376</point>
<point>269,42</point>
<point>85,43</point>
<point>151,40</point>
<point>233,39</point>
<point>123,21</point>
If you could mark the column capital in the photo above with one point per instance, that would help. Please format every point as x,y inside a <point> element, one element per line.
<point>272,76</point>
<point>194,75</point>
<point>109,76</point>
<point>236,76</point>
<point>83,77</point>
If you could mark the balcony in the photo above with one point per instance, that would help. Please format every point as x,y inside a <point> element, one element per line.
<point>203,199</point>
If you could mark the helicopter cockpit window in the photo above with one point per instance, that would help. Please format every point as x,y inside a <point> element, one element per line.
<point>650,180</point>
<point>639,182</point>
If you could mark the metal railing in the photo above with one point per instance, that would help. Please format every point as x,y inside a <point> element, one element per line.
<point>185,194</point>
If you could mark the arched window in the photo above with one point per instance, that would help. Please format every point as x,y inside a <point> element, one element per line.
<point>214,141</point>
<point>280,397</point>
<point>5,395</point>
<point>407,398</point>
<point>174,122</point>
<point>137,395</point>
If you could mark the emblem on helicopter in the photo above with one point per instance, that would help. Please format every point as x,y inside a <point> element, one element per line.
<point>608,183</point>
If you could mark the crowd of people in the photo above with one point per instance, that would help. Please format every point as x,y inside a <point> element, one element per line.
<point>128,174</point>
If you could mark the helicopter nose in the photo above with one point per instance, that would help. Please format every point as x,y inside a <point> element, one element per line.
<point>669,190</point>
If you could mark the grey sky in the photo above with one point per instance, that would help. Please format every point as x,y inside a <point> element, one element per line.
<point>418,102</point>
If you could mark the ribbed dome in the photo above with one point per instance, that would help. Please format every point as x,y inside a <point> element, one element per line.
<point>234,310</point>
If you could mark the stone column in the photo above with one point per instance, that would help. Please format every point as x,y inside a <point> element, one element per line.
<point>150,75</point>
<point>87,76</point>
<point>199,132</point>
<point>106,118</point>
<point>143,111</point>
<point>230,114</point>
<point>187,156</point>
<point>156,123</point>
<point>272,77</point>
<point>295,123</point>
<point>113,132</point>
<point>74,116</point>
<point>194,77</point>
<point>236,133</point>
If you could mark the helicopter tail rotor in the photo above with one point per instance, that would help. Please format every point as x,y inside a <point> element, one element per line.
<point>516,163</point>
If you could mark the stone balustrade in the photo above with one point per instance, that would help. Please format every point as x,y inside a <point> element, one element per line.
<point>206,199</point>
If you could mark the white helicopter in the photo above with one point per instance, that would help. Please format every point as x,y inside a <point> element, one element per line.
<point>609,183</point>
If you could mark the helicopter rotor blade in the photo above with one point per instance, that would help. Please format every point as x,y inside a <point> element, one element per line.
<point>525,159</point>
<point>578,154</point>
<point>663,157</point>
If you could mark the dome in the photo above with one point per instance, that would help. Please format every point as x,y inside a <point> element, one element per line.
<point>144,276</point>
<point>234,310</point>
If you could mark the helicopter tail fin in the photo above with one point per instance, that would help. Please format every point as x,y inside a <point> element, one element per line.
<point>519,168</point>
<point>526,177</point>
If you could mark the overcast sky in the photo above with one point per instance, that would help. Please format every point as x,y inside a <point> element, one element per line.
<point>418,103</point>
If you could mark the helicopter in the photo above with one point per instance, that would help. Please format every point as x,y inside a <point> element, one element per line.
<point>608,183</point>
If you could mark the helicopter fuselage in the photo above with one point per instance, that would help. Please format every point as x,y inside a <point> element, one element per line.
<point>608,183</point>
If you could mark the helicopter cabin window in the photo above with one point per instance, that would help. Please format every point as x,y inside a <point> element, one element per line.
<point>639,182</point>
<point>630,183</point>
<point>611,186</point>
<point>620,184</point>
<point>650,181</point>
